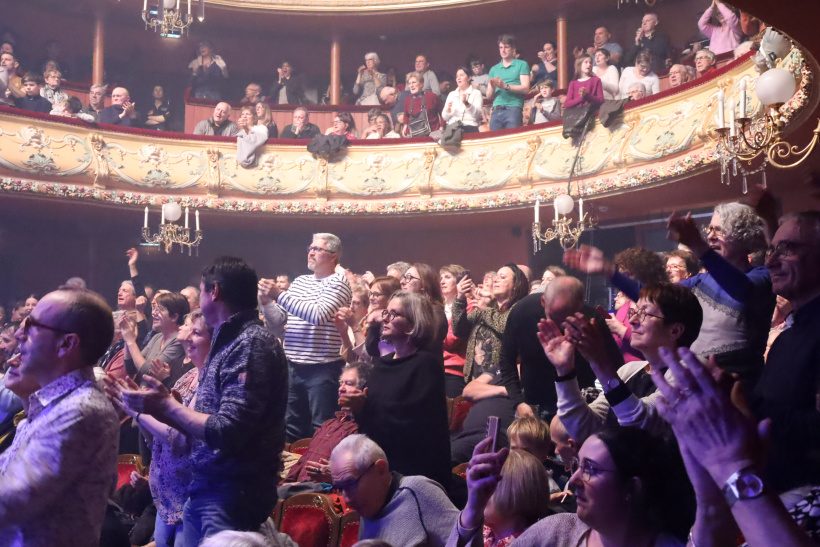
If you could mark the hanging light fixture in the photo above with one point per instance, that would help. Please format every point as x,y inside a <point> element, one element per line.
<point>169,18</point>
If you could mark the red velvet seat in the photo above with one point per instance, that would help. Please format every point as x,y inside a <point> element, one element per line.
<point>461,407</point>
<point>461,470</point>
<point>300,446</point>
<point>126,464</point>
<point>349,529</point>
<point>309,519</point>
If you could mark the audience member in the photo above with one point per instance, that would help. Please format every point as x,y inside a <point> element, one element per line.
<point>170,471</point>
<point>422,279</point>
<point>159,116</point>
<point>637,91</point>
<point>14,88</point>
<point>455,348</point>
<point>343,124</point>
<point>390,97</point>
<point>397,509</point>
<point>311,340</point>
<point>251,137</point>
<point>369,80</point>
<point>397,269</point>
<point>61,467</point>
<point>585,88</point>
<point>237,421</point>
<point>51,91</point>
<point>289,88</point>
<point>545,107</point>
<point>350,322</point>
<point>283,282</point>
<point>96,101</point>
<point>383,128</point>
<point>508,491</point>
<point>603,40</point>
<point>508,85</point>
<point>479,76</point>
<point>209,73</point>
<point>680,265</point>
<point>720,23</point>
<point>608,73</point>
<point>218,124</point>
<point>704,62</point>
<point>566,448</point>
<point>32,100</point>
<point>640,73</point>
<point>666,316</point>
<point>191,294</point>
<point>562,298</point>
<point>547,68</point>
<point>264,118</point>
<point>464,103</point>
<point>300,128</point>
<point>253,95</point>
<point>314,465</point>
<point>122,111</point>
<point>421,108</point>
<point>678,75</point>
<point>649,38</point>
<point>429,81</point>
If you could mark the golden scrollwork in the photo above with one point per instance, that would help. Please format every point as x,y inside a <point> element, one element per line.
<point>425,177</point>
<point>102,170</point>
<point>321,184</point>
<point>525,178</point>
<point>214,172</point>
<point>631,120</point>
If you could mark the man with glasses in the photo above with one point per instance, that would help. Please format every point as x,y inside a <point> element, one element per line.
<point>399,510</point>
<point>666,316</point>
<point>57,474</point>
<point>789,387</point>
<point>312,342</point>
<point>704,62</point>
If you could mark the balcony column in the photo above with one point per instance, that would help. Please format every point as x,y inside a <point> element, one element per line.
<point>562,53</point>
<point>98,72</point>
<point>335,70</point>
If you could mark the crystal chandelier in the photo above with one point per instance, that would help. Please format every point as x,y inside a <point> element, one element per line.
<point>170,233</point>
<point>562,227</point>
<point>749,136</point>
<point>168,17</point>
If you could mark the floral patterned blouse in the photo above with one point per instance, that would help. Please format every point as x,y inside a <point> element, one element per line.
<point>170,460</point>
<point>484,329</point>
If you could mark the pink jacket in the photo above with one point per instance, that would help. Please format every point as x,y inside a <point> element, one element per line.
<point>725,37</point>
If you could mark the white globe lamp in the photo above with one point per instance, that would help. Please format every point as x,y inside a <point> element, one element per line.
<point>775,86</point>
<point>172,211</point>
<point>564,204</point>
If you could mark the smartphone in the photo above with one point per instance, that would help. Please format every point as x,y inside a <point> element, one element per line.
<point>465,276</point>
<point>492,431</point>
<point>602,312</point>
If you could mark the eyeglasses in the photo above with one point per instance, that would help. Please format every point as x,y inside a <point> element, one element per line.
<point>409,278</point>
<point>675,267</point>
<point>716,229</point>
<point>315,249</point>
<point>337,120</point>
<point>375,294</point>
<point>641,314</point>
<point>784,249</point>
<point>29,322</point>
<point>589,470</point>
<point>390,315</point>
<point>352,485</point>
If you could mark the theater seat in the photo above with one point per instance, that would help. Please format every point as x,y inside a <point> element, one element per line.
<point>461,470</point>
<point>309,519</point>
<point>461,407</point>
<point>349,529</point>
<point>126,464</point>
<point>300,446</point>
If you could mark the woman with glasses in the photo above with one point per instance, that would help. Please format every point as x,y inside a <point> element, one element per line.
<point>680,265</point>
<point>343,124</point>
<point>666,316</point>
<point>736,297</point>
<point>641,73</point>
<point>350,322</point>
<point>369,80</point>
<point>403,409</point>
<point>170,471</point>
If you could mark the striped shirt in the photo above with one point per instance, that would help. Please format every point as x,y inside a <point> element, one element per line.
<point>311,337</point>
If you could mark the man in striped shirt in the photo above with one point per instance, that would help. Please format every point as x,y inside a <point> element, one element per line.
<point>312,342</point>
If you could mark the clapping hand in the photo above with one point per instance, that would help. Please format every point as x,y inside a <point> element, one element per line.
<point>128,328</point>
<point>483,476</point>
<point>151,399</point>
<point>319,471</point>
<point>159,370</point>
<point>587,339</point>
<point>267,288</point>
<point>588,259</point>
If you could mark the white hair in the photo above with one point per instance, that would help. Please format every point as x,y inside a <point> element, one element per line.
<point>372,55</point>
<point>232,538</point>
<point>334,244</point>
<point>639,86</point>
<point>362,450</point>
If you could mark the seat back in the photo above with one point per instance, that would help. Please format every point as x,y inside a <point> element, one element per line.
<point>126,464</point>
<point>461,407</point>
<point>349,529</point>
<point>300,446</point>
<point>309,519</point>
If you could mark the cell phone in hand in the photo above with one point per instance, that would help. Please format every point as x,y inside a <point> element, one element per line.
<point>466,275</point>
<point>602,312</point>
<point>492,432</point>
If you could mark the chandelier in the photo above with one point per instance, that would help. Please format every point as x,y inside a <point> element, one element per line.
<point>749,136</point>
<point>562,227</point>
<point>170,233</point>
<point>168,17</point>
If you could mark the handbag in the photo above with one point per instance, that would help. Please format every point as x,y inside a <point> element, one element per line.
<point>419,125</point>
<point>452,134</point>
<point>576,119</point>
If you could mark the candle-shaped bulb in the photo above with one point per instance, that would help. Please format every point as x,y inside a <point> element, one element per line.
<point>721,115</point>
<point>732,128</point>
<point>537,206</point>
<point>162,221</point>
<point>580,208</point>
<point>743,98</point>
<point>186,218</point>
<point>146,218</point>
<point>197,220</point>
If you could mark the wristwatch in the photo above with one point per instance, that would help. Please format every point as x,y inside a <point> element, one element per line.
<point>612,384</point>
<point>743,485</point>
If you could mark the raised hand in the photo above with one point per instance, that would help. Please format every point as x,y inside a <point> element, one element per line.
<point>354,401</point>
<point>268,289</point>
<point>128,328</point>
<point>587,338</point>
<point>160,370</point>
<point>133,255</point>
<point>559,349</point>
<point>483,476</point>
<point>684,230</point>
<point>464,287</point>
<point>589,260</point>
<point>151,399</point>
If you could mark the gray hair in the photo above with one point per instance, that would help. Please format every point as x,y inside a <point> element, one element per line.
<point>567,286</point>
<point>639,86</point>
<point>233,538</point>
<point>362,450</point>
<point>372,55</point>
<point>709,53</point>
<point>654,16</point>
<point>400,266</point>
<point>362,369</point>
<point>102,87</point>
<point>742,226</point>
<point>807,221</point>
<point>131,284</point>
<point>334,244</point>
<point>303,109</point>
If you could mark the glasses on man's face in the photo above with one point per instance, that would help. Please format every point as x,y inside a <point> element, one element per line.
<point>409,278</point>
<point>29,322</point>
<point>390,315</point>
<point>337,121</point>
<point>784,249</point>
<point>708,230</point>
<point>640,314</point>
<point>351,486</point>
<point>315,249</point>
<point>589,470</point>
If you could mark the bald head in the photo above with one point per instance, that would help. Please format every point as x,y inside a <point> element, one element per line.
<point>388,95</point>
<point>222,113</point>
<point>565,445</point>
<point>563,297</point>
<point>120,96</point>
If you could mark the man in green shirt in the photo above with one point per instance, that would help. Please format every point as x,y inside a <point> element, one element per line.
<point>509,84</point>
